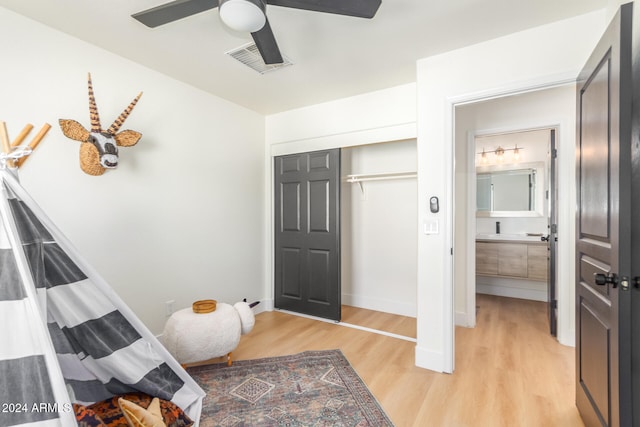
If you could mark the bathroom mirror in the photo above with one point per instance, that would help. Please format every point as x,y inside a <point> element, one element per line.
<point>515,190</point>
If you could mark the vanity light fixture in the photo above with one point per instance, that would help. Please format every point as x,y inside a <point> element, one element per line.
<point>483,158</point>
<point>500,152</point>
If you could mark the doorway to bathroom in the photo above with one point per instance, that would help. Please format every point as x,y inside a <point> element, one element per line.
<point>515,216</point>
<point>505,130</point>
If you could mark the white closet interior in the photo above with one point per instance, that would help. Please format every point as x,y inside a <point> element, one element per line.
<point>379,227</point>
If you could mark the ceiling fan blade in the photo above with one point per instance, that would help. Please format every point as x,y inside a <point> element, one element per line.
<point>357,8</point>
<point>266,43</point>
<point>173,11</point>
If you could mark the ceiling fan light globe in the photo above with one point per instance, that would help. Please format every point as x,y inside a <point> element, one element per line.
<point>242,15</point>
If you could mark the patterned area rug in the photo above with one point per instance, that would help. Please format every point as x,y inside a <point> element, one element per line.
<point>314,388</point>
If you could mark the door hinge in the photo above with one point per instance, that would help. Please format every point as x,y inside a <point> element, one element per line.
<point>554,228</point>
<point>554,303</point>
<point>554,153</point>
<point>451,251</point>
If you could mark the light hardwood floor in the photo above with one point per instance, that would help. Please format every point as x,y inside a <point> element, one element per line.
<point>399,325</point>
<point>509,371</point>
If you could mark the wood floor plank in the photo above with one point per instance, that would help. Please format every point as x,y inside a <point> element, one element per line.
<point>509,370</point>
<point>395,324</point>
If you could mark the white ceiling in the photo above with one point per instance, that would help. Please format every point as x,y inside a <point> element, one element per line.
<point>334,56</point>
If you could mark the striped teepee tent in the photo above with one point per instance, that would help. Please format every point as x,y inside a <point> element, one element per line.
<point>65,336</point>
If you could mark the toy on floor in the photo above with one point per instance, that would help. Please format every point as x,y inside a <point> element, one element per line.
<point>192,336</point>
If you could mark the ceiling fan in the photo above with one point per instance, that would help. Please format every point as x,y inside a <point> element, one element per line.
<point>250,16</point>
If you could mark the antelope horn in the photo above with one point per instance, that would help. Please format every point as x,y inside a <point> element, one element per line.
<point>93,110</point>
<point>115,127</point>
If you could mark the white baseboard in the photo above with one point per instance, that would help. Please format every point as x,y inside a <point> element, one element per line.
<point>568,339</point>
<point>512,288</point>
<point>380,304</point>
<point>506,291</point>
<point>462,319</point>
<point>429,359</point>
<point>265,305</point>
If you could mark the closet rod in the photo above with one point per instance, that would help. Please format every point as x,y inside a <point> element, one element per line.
<point>380,176</point>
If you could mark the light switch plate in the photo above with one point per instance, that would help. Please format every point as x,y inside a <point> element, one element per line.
<point>431,226</point>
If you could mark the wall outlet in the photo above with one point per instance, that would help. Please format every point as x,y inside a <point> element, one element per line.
<point>169,307</point>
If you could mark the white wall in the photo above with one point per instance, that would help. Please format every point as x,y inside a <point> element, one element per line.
<point>384,115</point>
<point>519,62</point>
<point>613,6</point>
<point>182,217</point>
<point>378,229</point>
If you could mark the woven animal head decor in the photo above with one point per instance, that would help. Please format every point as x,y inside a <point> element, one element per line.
<point>99,148</point>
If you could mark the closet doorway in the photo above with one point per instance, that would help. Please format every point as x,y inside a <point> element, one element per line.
<point>377,221</point>
<point>379,208</point>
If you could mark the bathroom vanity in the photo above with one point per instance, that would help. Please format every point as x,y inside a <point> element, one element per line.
<point>512,265</point>
<point>510,258</point>
<point>512,197</point>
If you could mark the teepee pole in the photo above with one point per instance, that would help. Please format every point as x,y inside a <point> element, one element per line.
<point>17,160</point>
<point>6,145</point>
<point>34,143</point>
<point>22,135</point>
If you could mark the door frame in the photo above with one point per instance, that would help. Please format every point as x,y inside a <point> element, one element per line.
<point>470,276</point>
<point>448,313</point>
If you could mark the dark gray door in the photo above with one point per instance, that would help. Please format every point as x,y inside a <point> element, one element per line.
<point>552,239</point>
<point>307,233</point>
<point>635,224</point>
<point>603,365</point>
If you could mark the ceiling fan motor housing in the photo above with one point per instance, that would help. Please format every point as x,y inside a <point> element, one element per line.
<point>249,16</point>
<point>243,15</point>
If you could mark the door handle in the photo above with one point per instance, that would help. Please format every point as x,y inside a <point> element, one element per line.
<point>606,279</point>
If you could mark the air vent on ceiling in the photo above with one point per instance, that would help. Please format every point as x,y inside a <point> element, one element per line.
<point>249,55</point>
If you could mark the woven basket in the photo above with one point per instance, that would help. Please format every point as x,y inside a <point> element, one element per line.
<point>205,306</point>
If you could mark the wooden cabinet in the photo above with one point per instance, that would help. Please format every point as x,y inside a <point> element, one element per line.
<point>521,260</point>
<point>486,258</point>
<point>512,260</point>
<point>537,266</point>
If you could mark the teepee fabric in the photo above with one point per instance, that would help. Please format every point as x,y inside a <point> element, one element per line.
<point>65,335</point>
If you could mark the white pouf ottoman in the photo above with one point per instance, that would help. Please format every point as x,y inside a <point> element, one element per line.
<point>195,337</point>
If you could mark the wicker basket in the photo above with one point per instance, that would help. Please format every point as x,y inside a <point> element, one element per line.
<point>205,306</point>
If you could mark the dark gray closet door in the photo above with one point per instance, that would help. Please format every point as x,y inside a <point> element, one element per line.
<point>307,233</point>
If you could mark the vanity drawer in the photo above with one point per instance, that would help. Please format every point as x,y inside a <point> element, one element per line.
<point>486,258</point>
<point>512,259</point>
<point>538,256</point>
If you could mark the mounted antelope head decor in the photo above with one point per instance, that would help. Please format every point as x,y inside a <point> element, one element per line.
<point>99,148</point>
